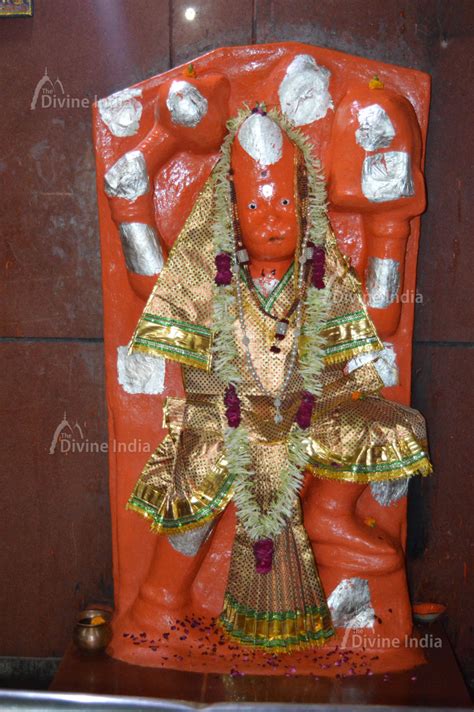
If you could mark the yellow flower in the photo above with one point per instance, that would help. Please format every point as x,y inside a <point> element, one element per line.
<point>376,83</point>
<point>370,521</point>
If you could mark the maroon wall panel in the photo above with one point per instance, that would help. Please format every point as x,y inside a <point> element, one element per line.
<point>442,569</point>
<point>49,250</point>
<point>447,249</point>
<point>218,23</point>
<point>54,509</point>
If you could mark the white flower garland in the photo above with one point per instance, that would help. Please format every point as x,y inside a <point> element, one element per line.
<point>261,525</point>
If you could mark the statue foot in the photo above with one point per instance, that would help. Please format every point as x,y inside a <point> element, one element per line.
<point>353,544</point>
<point>153,601</point>
<point>353,560</point>
<point>166,640</point>
<point>341,537</point>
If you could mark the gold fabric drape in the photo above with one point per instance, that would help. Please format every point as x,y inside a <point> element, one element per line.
<point>356,435</point>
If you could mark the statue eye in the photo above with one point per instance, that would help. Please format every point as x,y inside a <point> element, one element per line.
<point>285,201</point>
<point>252,206</point>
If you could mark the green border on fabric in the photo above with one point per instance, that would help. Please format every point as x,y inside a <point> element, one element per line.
<point>282,642</point>
<point>171,349</point>
<point>353,316</point>
<point>284,615</point>
<point>367,469</point>
<point>188,519</point>
<point>184,325</point>
<point>347,345</point>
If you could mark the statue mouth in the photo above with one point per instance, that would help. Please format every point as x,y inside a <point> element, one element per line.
<point>276,238</point>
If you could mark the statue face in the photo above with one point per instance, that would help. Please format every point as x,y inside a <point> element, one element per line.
<point>266,204</point>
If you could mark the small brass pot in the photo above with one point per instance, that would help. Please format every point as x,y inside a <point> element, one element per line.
<point>93,636</point>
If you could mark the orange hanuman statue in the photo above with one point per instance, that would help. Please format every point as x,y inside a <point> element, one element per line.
<point>264,218</point>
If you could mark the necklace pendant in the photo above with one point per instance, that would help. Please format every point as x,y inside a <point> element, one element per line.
<point>281,329</point>
<point>278,417</point>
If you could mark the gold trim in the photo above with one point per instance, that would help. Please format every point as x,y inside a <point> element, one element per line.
<point>157,528</point>
<point>350,351</point>
<point>187,345</point>
<point>353,333</point>
<point>354,329</point>
<point>276,633</point>
<point>373,463</point>
<point>171,513</point>
<point>423,468</point>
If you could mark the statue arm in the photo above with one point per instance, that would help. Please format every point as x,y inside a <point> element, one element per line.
<point>129,187</point>
<point>374,169</point>
<point>190,116</point>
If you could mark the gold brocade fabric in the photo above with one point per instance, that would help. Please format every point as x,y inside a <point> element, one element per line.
<point>356,435</point>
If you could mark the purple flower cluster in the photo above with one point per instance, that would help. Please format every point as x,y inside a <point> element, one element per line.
<point>263,552</point>
<point>305,411</point>
<point>224,272</point>
<point>319,260</point>
<point>232,403</point>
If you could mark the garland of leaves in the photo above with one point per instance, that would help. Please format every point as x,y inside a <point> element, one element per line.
<point>266,525</point>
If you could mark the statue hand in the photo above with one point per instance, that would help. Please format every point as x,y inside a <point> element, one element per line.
<point>195,111</point>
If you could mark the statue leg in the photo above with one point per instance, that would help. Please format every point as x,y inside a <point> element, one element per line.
<point>339,535</point>
<point>174,566</point>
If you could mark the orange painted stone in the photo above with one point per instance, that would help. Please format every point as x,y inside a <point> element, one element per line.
<point>178,159</point>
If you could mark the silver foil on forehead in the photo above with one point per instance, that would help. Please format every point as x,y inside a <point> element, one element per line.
<point>350,604</point>
<point>390,491</point>
<point>141,248</point>
<point>386,365</point>
<point>128,177</point>
<point>383,281</point>
<point>375,128</point>
<point>262,139</point>
<point>121,112</point>
<point>139,373</point>
<point>186,104</point>
<point>191,541</point>
<point>387,176</point>
<point>304,91</point>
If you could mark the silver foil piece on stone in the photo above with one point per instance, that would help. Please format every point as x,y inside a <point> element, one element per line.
<point>128,177</point>
<point>139,373</point>
<point>383,281</point>
<point>389,491</point>
<point>262,139</point>
<point>191,541</point>
<point>375,128</point>
<point>141,248</point>
<point>358,361</point>
<point>350,604</point>
<point>186,104</point>
<point>387,176</point>
<point>304,91</point>
<point>386,365</point>
<point>121,112</point>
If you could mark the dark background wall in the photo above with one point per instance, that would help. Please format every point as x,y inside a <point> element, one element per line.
<point>54,525</point>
